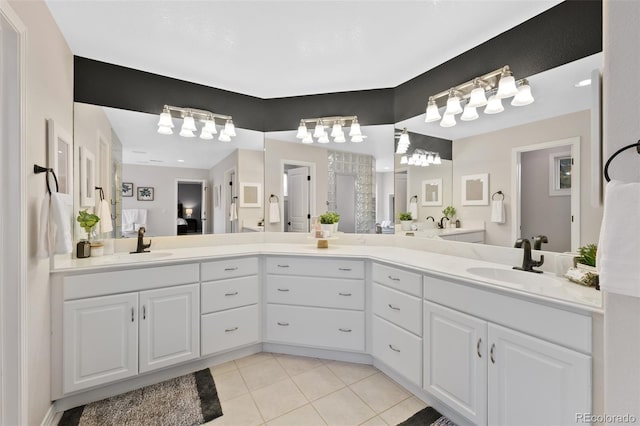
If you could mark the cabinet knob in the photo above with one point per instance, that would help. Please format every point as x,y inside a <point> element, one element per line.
<point>283,324</point>
<point>235,293</point>
<point>395,308</point>
<point>144,312</point>
<point>392,278</point>
<point>394,349</point>
<point>132,314</point>
<point>478,347</point>
<point>493,347</point>
<point>235,268</point>
<point>229,330</point>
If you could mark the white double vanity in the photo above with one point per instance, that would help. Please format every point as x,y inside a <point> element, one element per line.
<point>480,349</point>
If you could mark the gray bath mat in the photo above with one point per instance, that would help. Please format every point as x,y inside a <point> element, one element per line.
<point>427,417</point>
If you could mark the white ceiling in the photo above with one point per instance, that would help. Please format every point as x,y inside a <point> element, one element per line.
<point>285,48</point>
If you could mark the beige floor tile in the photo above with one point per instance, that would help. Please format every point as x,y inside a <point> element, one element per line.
<point>279,398</point>
<point>376,421</point>
<point>230,385</point>
<point>343,408</point>
<point>223,368</point>
<point>379,392</point>
<point>295,365</point>
<point>401,412</point>
<point>239,411</point>
<point>349,372</point>
<point>303,416</point>
<point>263,373</point>
<point>318,382</point>
<point>252,359</point>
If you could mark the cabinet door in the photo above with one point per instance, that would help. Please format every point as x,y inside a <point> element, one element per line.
<point>534,382</point>
<point>169,326</point>
<point>455,360</point>
<point>100,340</point>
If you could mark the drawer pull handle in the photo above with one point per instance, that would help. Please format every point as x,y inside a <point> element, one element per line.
<point>493,347</point>
<point>235,293</point>
<point>478,347</point>
<point>344,294</point>
<point>132,314</point>
<point>284,290</point>
<point>283,266</point>
<point>393,349</point>
<point>344,269</point>
<point>283,324</point>
<point>395,308</point>
<point>235,268</point>
<point>144,312</point>
<point>229,330</point>
<point>394,278</point>
<point>345,330</point>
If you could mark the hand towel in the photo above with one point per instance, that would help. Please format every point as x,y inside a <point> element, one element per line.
<point>274,212</point>
<point>413,208</point>
<point>104,213</point>
<point>498,214</point>
<point>43,228</point>
<point>61,208</point>
<point>233,212</point>
<point>618,256</point>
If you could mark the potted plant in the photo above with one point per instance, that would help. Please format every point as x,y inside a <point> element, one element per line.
<point>329,223</point>
<point>449,212</point>
<point>405,221</point>
<point>585,262</point>
<point>88,222</point>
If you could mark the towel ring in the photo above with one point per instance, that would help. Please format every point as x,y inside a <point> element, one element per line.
<point>39,169</point>
<point>411,200</point>
<point>615,154</point>
<point>272,196</point>
<point>497,193</point>
<point>99,188</point>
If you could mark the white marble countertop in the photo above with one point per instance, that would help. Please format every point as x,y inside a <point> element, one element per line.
<point>436,232</point>
<point>548,288</point>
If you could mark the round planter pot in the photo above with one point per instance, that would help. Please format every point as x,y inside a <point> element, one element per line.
<point>405,225</point>
<point>327,229</point>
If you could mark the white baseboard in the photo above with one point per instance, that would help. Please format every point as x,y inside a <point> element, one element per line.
<point>51,417</point>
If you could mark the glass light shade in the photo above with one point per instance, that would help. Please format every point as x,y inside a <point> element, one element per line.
<point>302,131</point>
<point>307,138</point>
<point>324,138</point>
<point>319,130</point>
<point>229,128</point>
<point>404,160</point>
<point>449,120</point>
<point>357,138</point>
<point>430,159</point>
<point>205,135</point>
<point>355,129</point>
<point>336,130</point>
<point>469,113</point>
<point>224,137</point>
<point>478,98</point>
<point>423,160</point>
<point>189,124</point>
<point>185,133</point>
<point>404,139</point>
<point>210,127</point>
<point>339,138</point>
<point>507,87</point>
<point>164,130</point>
<point>432,112</point>
<point>437,160</point>
<point>165,120</point>
<point>411,161</point>
<point>453,106</point>
<point>401,149</point>
<point>524,96</point>
<point>494,106</point>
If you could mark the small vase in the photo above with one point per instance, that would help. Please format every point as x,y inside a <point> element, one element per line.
<point>405,225</point>
<point>327,228</point>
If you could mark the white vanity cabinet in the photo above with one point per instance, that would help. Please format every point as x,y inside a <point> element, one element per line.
<point>496,375</point>
<point>315,302</point>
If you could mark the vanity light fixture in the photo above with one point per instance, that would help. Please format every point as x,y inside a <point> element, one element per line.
<point>421,158</point>
<point>337,125</point>
<point>473,94</point>
<point>188,128</point>
<point>403,142</point>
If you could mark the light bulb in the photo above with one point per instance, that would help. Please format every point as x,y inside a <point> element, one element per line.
<point>432,112</point>
<point>336,130</point>
<point>165,119</point>
<point>324,138</point>
<point>319,130</point>
<point>229,128</point>
<point>355,129</point>
<point>224,137</point>
<point>189,124</point>
<point>494,106</point>
<point>307,138</point>
<point>404,160</point>
<point>339,138</point>
<point>524,96</point>
<point>478,98</point>
<point>302,130</point>
<point>453,104</point>
<point>205,135</point>
<point>210,127</point>
<point>449,120</point>
<point>506,85</point>
<point>165,130</point>
<point>469,113</point>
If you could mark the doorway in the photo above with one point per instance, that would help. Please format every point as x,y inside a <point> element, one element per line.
<point>346,201</point>
<point>297,199</point>
<point>230,202</point>
<point>191,206</point>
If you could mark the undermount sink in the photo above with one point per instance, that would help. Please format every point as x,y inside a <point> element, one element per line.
<point>142,256</point>
<point>512,276</point>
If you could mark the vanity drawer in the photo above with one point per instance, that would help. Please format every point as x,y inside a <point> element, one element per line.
<point>330,328</point>
<point>227,294</point>
<point>229,329</point>
<point>330,268</point>
<point>398,348</point>
<point>312,291</point>
<point>399,308</point>
<point>230,268</point>
<point>400,279</point>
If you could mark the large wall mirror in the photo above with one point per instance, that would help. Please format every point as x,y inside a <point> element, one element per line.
<point>516,149</point>
<point>169,184</point>
<point>354,179</point>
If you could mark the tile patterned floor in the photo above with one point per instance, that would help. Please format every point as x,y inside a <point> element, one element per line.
<point>285,390</point>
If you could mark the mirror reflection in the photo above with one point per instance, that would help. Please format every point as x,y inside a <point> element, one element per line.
<point>168,184</point>
<point>525,152</point>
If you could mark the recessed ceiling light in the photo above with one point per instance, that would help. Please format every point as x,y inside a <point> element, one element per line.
<point>180,161</point>
<point>583,83</point>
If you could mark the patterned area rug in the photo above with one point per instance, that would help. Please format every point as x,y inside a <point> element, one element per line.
<point>427,416</point>
<point>187,400</point>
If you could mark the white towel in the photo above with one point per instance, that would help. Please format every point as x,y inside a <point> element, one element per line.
<point>413,208</point>
<point>43,228</point>
<point>104,213</point>
<point>618,256</point>
<point>274,212</point>
<point>233,212</point>
<point>61,207</point>
<point>133,219</point>
<point>498,214</point>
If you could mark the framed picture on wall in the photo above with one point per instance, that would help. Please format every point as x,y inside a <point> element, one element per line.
<point>127,189</point>
<point>87,178</point>
<point>250,194</point>
<point>475,190</point>
<point>432,192</point>
<point>145,193</point>
<point>60,153</point>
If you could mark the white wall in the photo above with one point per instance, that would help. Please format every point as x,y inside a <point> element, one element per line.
<point>49,91</point>
<point>162,211</point>
<point>251,170</point>
<point>217,178</point>
<point>622,127</point>
<point>384,188</point>
<point>491,153</point>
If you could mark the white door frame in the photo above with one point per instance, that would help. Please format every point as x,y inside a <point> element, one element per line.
<point>13,231</point>
<point>312,187</point>
<point>516,158</point>
<point>202,200</point>
<point>226,194</point>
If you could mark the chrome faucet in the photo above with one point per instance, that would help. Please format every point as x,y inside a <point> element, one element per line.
<point>441,223</point>
<point>538,240</point>
<point>527,262</point>
<point>141,245</point>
